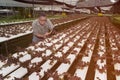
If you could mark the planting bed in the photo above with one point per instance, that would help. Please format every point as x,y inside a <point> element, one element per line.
<point>11,31</point>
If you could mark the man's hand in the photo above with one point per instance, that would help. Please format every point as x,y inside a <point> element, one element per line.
<point>47,34</point>
<point>41,36</point>
<point>44,36</point>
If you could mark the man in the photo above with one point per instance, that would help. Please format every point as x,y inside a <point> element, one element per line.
<point>42,28</point>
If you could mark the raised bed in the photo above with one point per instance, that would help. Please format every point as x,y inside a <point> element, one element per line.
<point>10,45</point>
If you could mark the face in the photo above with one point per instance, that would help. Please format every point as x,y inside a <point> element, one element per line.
<point>42,20</point>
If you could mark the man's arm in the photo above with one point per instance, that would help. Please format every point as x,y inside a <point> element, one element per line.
<point>40,35</point>
<point>51,26</point>
<point>36,32</point>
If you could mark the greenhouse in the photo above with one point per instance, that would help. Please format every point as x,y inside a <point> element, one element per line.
<point>59,39</point>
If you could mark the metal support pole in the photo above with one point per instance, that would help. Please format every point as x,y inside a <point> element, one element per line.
<point>33,8</point>
<point>6,48</point>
